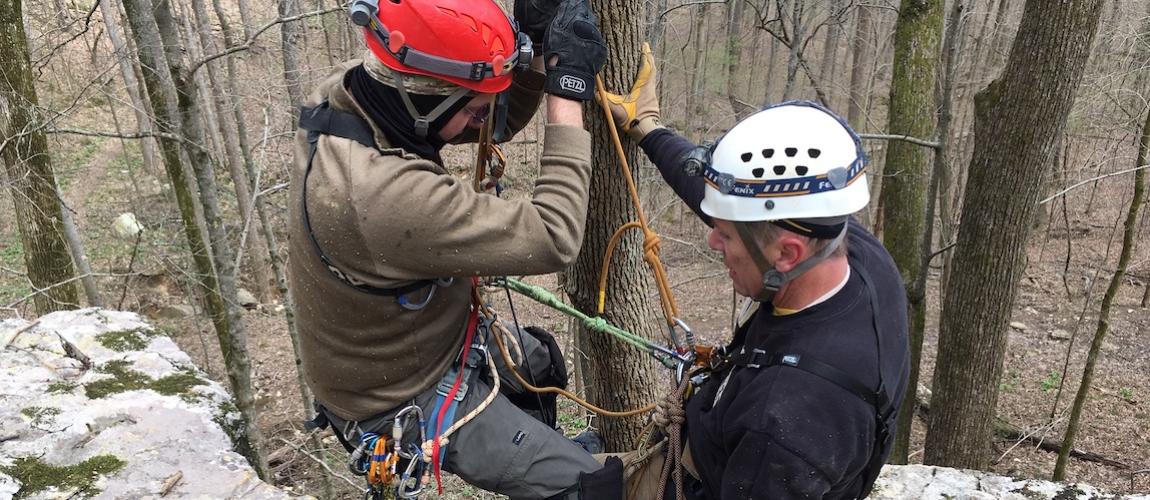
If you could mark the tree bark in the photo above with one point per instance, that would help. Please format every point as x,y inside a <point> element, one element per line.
<point>289,41</point>
<point>827,70</point>
<point>110,11</point>
<point>172,96</point>
<point>618,377</point>
<point>24,149</point>
<point>1018,118</point>
<point>904,188</point>
<point>796,48</point>
<point>860,49</point>
<point>734,56</point>
<point>695,89</point>
<point>1128,238</point>
<point>229,130</point>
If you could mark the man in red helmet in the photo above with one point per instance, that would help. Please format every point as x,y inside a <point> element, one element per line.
<point>385,242</point>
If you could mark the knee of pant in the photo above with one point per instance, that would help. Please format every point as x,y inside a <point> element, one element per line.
<point>603,484</point>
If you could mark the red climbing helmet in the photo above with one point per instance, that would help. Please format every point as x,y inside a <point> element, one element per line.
<point>471,43</point>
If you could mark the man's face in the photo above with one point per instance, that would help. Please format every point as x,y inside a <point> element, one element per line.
<point>745,276</point>
<point>472,116</point>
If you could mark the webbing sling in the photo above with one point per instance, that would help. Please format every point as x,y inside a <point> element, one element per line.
<point>323,120</point>
<point>877,398</point>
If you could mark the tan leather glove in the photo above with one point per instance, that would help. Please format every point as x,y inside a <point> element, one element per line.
<point>637,113</point>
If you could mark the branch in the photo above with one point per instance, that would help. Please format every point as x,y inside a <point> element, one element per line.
<point>913,140</point>
<point>100,133</point>
<point>1088,181</point>
<point>688,4</point>
<point>252,39</point>
<point>39,291</point>
<point>40,63</point>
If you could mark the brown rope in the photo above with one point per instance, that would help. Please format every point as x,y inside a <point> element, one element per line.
<point>675,417</point>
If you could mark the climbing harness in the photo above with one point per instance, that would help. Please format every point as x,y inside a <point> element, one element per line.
<point>322,120</point>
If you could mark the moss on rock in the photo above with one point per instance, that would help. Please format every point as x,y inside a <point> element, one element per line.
<point>124,379</point>
<point>35,475</point>
<point>125,340</point>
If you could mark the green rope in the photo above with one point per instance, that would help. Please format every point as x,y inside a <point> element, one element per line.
<point>546,298</point>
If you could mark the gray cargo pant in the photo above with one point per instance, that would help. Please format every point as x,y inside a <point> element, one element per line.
<point>504,449</point>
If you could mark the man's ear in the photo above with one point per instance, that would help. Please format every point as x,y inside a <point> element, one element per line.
<point>792,250</point>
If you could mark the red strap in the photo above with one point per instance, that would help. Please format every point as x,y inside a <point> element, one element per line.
<point>472,324</point>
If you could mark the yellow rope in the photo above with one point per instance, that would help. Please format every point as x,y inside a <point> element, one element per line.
<point>650,238</point>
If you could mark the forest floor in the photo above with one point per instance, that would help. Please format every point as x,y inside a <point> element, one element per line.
<point>101,182</point>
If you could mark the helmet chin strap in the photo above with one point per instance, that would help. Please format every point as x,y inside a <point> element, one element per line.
<point>423,122</point>
<point>773,279</point>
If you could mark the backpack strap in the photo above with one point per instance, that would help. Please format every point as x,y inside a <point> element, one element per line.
<point>320,120</point>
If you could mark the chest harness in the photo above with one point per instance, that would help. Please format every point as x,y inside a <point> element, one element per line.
<point>320,120</point>
<point>879,398</point>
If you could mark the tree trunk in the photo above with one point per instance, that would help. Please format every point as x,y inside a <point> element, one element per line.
<point>29,167</point>
<point>241,183</point>
<point>695,90</point>
<point>289,40</point>
<point>859,51</point>
<point>796,48</point>
<point>618,377</point>
<point>1128,238</point>
<point>110,10</point>
<point>734,56</point>
<point>1018,118</point>
<point>827,70</point>
<point>171,102</point>
<point>904,188</point>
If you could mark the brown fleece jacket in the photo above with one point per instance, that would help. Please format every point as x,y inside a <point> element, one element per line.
<point>387,218</point>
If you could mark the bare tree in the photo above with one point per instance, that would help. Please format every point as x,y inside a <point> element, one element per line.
<point>904,187</point>
<point>173,96</point>
<point>32,182</point>
<point>1128,240</point>
<point>1018,117</point>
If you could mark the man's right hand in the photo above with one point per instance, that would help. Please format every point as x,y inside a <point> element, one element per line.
<point>574,51</point>
<point>637,113</point>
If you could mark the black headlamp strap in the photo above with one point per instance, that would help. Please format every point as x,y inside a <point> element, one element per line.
<point>423,122</point>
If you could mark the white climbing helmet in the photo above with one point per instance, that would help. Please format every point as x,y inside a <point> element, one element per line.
<point>794,160</point>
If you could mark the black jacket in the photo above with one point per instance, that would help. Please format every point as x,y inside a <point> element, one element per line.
<point>782,432</point>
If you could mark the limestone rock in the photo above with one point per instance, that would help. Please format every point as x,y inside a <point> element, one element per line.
<point>1018,325</point>
<point>178,311</point>
<point>143,403</point>
<point>906,482</point>
<point>246,299</point>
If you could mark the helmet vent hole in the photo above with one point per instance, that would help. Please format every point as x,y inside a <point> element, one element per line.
<point>791,152</point>
<point>767,153</point>
<point>758,173</point>
<point>747,157</point>
<point>780,169</point>
<point>814,153</point>
<point>395,1</point>
<point>801,170</point>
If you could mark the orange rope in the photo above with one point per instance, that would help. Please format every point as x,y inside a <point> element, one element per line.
<point>650,238</point>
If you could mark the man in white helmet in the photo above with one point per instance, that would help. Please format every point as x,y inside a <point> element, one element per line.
<point>805,405</point>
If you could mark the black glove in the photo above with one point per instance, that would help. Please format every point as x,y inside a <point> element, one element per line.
<point>574,37</point>
<point>533,17</point>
